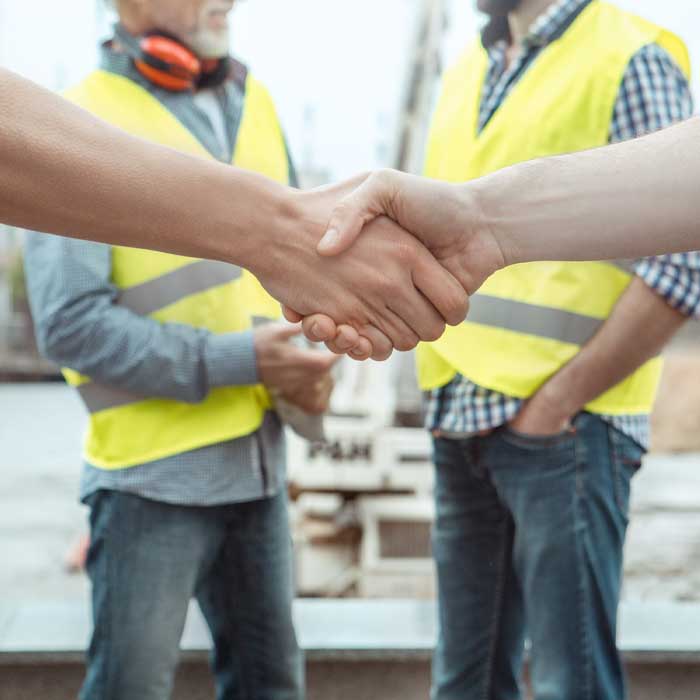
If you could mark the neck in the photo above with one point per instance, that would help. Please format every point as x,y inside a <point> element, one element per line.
<point>520,20</point>
<point>135,22</point>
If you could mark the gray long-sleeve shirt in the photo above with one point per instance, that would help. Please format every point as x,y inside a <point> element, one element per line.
<point>79,325</point>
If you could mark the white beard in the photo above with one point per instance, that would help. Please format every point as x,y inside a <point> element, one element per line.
<point>208,44</point>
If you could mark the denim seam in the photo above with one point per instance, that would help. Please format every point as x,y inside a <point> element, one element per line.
<point>497,613</point>
<point>107,689</point>
<point>583,592</point>
<point>620,462</point>
<point>250,674</point>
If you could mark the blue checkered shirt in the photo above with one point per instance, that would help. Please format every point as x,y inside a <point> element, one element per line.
<point>654,94</point>
<point>78,325</point>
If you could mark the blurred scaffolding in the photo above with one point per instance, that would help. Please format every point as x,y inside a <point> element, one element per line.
<point>362,502</point>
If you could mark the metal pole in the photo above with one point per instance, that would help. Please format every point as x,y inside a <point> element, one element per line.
<point>422,75</point>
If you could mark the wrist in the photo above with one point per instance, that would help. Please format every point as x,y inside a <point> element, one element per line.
<point>251,215</point>
<point>479,213</point>
<point>231,360</point>
<point>289,243</point>
<point>488,196</point>
<point>559,404</point>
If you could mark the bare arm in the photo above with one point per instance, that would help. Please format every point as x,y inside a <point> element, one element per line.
<point>637,330</point>
<point>629,200</point>
<point>65,172</point>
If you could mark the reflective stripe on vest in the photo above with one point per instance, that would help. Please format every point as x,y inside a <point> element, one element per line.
<point>517,316</point>
<point>527,321</point>
<point>156,294</point>
<point>126,429</point>
<point>149,297</point>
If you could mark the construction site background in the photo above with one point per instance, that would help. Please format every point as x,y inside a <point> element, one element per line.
<point>361,505</point>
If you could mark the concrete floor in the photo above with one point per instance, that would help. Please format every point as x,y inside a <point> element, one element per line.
<point>40,429</point>
<point>40,441</point>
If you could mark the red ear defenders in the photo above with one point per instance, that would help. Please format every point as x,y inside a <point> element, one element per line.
<point>168,63</point>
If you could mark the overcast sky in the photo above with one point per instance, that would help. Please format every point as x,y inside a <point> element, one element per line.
<point>343,62</point>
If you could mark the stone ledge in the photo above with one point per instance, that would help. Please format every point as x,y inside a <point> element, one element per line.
<point>350,631</point>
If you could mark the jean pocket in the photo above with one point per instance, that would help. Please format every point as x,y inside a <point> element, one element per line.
<point>537,442</point>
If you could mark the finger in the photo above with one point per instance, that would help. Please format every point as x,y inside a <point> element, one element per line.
<point>411,306</point>
<point>370,200</point>
<point>339,189</point>
<point>346,339</point>
<point>379,347</point>
<point>441,289</point>
<point>315,362</point>
<point>291,315</point>
<point>362,351</point>
<point>402,336</point>
<point>333,360</point>
<point>423,319</point>
<point>287,332</point>
<point>319,328</point>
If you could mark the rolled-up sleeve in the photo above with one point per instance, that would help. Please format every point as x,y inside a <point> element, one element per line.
<point>655,94</point>
<point>676,278</point>
<point>79,325</point>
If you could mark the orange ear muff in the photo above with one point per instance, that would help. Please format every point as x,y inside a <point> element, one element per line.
<point>167,63</point>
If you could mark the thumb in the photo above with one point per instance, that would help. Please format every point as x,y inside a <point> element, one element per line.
<point>286,332</point>
<point>333,360</point>
<point>370,200</point>
<point>291,315</point>
<point>327,361</point>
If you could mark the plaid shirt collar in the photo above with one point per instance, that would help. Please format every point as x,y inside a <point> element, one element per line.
<point>547,27</point>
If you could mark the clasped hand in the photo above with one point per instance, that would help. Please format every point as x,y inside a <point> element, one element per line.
<point>421,254</point>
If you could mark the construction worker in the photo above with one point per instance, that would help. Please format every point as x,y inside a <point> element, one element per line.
<point>540,402</point>
<point>184,456</point>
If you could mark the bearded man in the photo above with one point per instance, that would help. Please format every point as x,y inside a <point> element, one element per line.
<point>184,460</point>
<point>539,403</point>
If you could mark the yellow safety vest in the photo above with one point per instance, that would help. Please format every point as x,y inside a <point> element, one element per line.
<point>528,320</point>
<point>124,429</point>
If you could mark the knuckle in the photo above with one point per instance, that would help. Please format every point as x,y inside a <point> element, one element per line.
<point>458,311</point>
<point>405,252</point>
<point>383,176</point>
<point>434,331</point>
<point>341,209</point>
<point>406,342</point>
<point>383,355</point>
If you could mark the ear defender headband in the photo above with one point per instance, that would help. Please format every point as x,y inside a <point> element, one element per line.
<point>168,63</point>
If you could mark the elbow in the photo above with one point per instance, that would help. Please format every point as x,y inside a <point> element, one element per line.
<point>60,341</point>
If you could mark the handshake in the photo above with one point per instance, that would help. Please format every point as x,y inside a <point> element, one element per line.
<point>380,262</point>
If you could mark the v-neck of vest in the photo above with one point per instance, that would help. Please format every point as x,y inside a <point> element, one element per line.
<point>514,96</point>
<point>158,106</point>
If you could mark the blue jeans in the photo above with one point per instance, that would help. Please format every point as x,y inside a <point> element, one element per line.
<point>528,541</point>
<point>147,560</point>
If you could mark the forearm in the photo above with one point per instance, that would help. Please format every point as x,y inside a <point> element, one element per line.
<point>68,173</point>
<point>148,358</point>
<point>80,325</point>
<point>632,199</point>
<point>637,330</point>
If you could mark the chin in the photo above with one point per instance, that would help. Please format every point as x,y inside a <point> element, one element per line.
<point>208,44</point>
